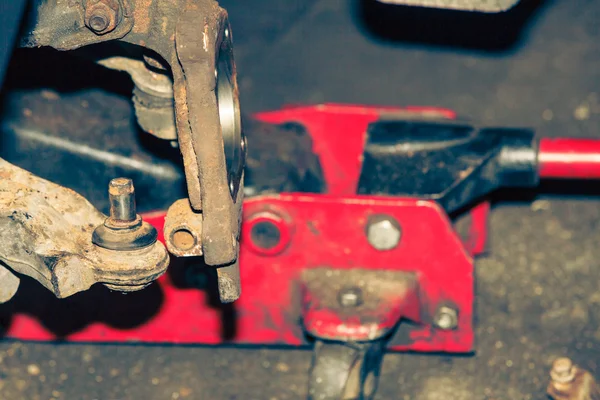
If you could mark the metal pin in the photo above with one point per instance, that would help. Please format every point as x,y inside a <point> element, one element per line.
<point>122,199</point>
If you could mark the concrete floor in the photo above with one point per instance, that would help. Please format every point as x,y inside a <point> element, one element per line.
<point>537,290</point>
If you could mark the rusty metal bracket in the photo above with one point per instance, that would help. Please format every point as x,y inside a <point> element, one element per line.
<point>201,56</point>
<point>62,24</point>
<point>46,233</point>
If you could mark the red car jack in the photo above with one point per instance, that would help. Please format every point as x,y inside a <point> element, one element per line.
<point>372,264</point>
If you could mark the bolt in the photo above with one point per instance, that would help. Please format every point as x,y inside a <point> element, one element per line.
<point>102,16</point>
<point>350,297</point>
<point>446,318</point>
<point>563,370</point>
<point>383,232</point>
<point>122,200</point>
<point>99,22</point>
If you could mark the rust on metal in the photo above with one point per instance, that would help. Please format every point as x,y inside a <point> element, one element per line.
<point>102,16</point>
<point>228,280</point>
<point>190,36</point>
<point>571,382</point>
<point>197,54</point>
<point>183,229</point>
<point>379,300</point>
<point>67,25</point>
<point>141,14</point>
<point>184,136</point>
<point>46,233</point>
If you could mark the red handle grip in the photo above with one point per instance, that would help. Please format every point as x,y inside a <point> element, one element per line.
<point>569,158</point>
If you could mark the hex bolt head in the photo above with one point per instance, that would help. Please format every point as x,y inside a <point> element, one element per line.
<point>99,22</point>
<point>383,232</point>
<point>102,16</point>
<point>350,297</point>
<point>446,318</point>
<point>563,370</point>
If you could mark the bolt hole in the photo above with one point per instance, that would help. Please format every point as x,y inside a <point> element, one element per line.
<point>265,234</point>
<point>183,239</point>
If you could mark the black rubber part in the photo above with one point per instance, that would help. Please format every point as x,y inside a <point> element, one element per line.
<point>125,239</point>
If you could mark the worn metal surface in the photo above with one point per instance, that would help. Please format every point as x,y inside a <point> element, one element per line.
<point>46,233</point>
<point>204,75</point>
<point>197,55</point>
<point>386,297</point>
<point>63,24</point>
<point>102,16</point>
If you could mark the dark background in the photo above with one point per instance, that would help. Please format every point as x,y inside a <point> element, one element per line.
<point>537,290</point>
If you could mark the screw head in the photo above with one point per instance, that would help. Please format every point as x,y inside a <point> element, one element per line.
<point>383,232</point>
<point>350,297</point>
<point>446,318</point>
<point>563,370</point>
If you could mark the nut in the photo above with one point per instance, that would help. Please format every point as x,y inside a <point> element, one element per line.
<point>102,16</point>
<point>563,370</point>
<point>383,232</point>
<point>446,318</point>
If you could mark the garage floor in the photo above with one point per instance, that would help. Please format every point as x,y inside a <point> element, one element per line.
<point>538,289</point>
